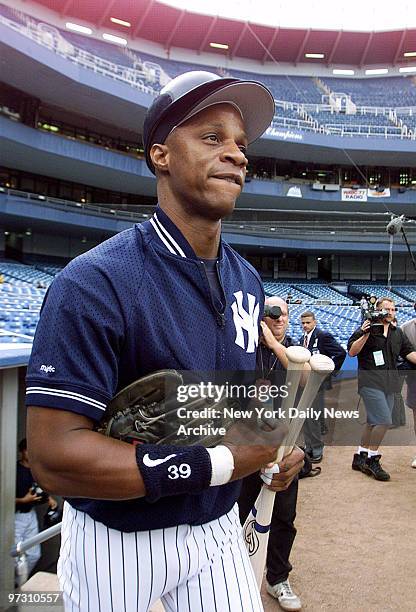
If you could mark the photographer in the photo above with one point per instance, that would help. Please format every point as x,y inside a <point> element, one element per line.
<point>377,344</point>
<point>28,496</point>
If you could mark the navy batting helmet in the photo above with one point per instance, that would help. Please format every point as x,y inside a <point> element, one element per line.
<point>189,93</point>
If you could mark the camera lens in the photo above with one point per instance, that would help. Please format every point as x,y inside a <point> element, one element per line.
<point>274,312</point>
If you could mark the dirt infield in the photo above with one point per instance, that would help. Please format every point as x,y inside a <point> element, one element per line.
<point>356,544</point>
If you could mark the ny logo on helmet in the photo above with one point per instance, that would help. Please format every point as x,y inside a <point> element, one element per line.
<point>246,321</point>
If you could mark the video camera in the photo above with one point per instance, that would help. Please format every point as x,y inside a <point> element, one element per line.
<point>274,312</point>
<point>376,318</point>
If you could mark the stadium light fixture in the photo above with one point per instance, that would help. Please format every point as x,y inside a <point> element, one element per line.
<point>315,55</point>
<point>408,69</point>
<point>343,71</point>
<point>377,71</point>
<point>409,54</point>
<point>115,39</point>
<point>50,128</point>
<point>75,27</point>
<point>218,45</point>
<point>121,22</point>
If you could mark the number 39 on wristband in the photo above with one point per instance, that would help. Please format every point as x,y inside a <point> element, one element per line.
<point>181,471</point>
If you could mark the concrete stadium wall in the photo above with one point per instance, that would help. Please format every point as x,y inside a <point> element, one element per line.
<point>359,267</point>
<point>56,246</point>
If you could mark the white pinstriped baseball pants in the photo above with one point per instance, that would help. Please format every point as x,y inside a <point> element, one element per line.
<point>204,568</point>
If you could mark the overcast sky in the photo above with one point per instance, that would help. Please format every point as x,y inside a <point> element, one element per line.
<point>366,15</point>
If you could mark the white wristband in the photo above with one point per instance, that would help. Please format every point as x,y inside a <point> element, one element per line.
<point>222,463</point>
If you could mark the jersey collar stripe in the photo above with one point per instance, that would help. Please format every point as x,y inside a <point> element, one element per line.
<point>168,236</point>
<point>64,392</point>
<point>165,242</point>
<point>177,239</point>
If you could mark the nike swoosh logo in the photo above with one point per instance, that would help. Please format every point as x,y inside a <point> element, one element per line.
<point>155,462</point>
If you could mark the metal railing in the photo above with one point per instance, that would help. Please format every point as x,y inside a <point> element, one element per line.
<point>50,37</point>
<point>19,550</point>
<point>59,203</point>
<point>6,333</point>
<point>54,41</point>
<point>322,124</point>
<point>371,225</point>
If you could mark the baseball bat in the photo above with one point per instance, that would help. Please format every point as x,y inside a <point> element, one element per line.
<point>297,356</point>
<point>257,526</point>
<point>321,366</point>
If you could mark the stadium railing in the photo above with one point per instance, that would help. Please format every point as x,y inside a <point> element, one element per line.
<point>83,58</point>
<point>290,86</point>
<point>69,204</point>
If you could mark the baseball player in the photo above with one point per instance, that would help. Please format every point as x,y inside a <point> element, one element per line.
<point>154,521</point>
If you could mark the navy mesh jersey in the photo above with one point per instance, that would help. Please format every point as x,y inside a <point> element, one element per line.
<point>138,303</point>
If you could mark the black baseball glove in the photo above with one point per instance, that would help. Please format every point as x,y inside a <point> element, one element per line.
<point>146,411</point>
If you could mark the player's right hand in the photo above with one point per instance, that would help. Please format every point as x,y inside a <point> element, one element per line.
<point>290,466</point>
<point>365,327</point>
<point>252,447</point>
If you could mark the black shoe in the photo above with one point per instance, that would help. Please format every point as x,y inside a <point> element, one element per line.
<point>359,460</point>
<point>373,467</point>
<point>317,458</point>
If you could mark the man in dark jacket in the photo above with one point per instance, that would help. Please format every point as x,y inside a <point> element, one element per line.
<point>320,342</point>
